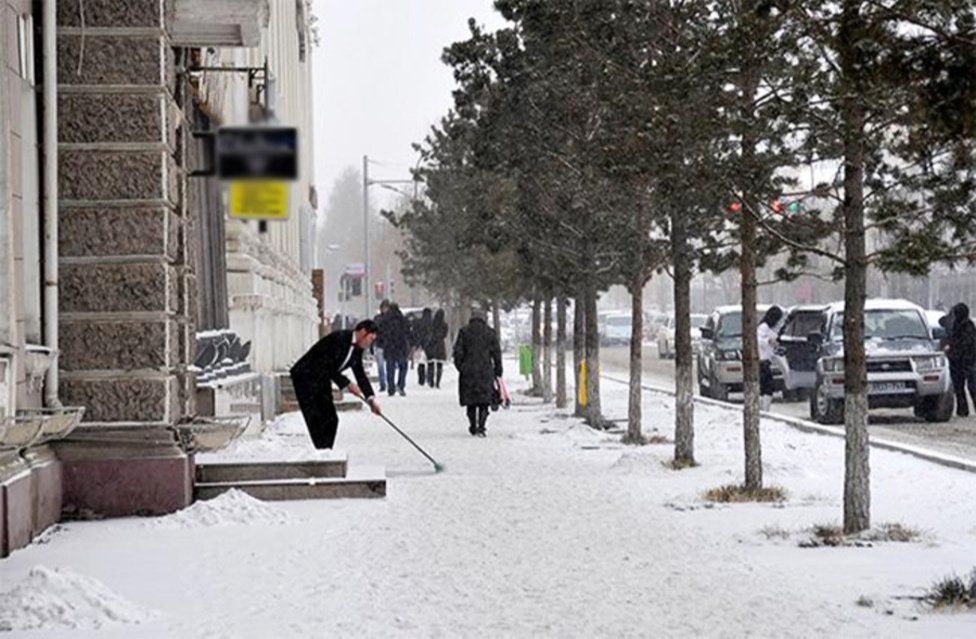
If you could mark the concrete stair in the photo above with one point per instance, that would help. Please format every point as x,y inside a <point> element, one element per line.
<point>275,481</point>
<point>288,402</point>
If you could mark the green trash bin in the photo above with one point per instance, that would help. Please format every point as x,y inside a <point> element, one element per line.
<point>525,360</point>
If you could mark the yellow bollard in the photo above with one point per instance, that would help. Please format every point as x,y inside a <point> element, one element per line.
<point>581,385</point>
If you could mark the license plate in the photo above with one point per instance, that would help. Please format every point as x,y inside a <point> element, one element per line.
<point>887,387</point>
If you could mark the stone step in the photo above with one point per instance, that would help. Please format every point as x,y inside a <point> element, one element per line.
<point>342,406</point>
<point>360,485</point>
<point>289,395</point>
<point>349,404</point>
<point>223,472</point>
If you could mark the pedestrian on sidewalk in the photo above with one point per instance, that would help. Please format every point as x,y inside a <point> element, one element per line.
<point>394,339</point>
<point>436,349</point>
<point>961,351</point>
<point>478,358</point>
<point>766,335</point>
<point>313,374</point>
<point>420,334</point>
<point>377,348</point>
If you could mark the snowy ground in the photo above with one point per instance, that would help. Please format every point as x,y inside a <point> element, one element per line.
<point>544,528</point>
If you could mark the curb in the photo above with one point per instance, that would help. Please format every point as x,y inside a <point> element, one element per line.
<point>949,461</point>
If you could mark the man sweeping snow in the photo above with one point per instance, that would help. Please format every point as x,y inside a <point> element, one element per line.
<point>313,374</point>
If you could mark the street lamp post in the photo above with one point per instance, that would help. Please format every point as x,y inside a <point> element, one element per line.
<point>366,266</point>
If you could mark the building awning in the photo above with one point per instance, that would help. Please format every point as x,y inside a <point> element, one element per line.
<point>218,23</point>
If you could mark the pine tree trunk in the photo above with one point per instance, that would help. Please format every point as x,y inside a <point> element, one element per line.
<point>747,273</point>
<point>579,351</point>
<point>634,435</point>
<point>684,414</point>
<point>750,356</point>
<point>536,348</point>
<point>593,415</point>
<point>547,350</point>
<point>560,352</point>
<point>496,316</point>
<point>857,490</point>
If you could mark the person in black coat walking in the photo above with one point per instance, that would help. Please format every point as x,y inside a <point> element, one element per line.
<point>394,339</point>
<point>961,351</point>
<point>478,357</point>
<point>313,374</point>
<point>436,349</point>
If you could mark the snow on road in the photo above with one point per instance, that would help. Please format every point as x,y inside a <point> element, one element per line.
<point>544,528</point>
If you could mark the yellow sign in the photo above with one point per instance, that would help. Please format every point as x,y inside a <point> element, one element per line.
<point>259,199</point>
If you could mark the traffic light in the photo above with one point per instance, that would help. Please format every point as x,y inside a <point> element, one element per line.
<point>392,289</point>
<point>790,208</point>
<point>735,207</point>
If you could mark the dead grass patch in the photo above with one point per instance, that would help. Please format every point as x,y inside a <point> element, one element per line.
<point>645,440</point>
<point>833,536</point>
<point>679,464</point>
<point>736,493</point>
<point>953,593</point>
<point>774,532</point>
<point>891,531</point>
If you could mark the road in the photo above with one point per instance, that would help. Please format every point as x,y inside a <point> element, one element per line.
<point>956,437</point>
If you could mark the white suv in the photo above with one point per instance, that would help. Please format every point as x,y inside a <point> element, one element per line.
<point>905,367</point>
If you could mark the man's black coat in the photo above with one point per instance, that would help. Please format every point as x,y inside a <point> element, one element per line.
<point>312,377</point>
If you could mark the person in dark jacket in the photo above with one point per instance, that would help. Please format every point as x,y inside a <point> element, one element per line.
<point>478,357</point>
<point>421,334</point>
<point>961,350</point>
<point>436,349</point>
<point>377,349</point>
<point>313,374</point>
<point>394,339</point>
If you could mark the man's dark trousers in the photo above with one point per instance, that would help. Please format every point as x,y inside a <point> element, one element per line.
<point>315,401</point>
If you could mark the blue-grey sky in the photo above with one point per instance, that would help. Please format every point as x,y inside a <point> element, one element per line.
<point>379,81</point>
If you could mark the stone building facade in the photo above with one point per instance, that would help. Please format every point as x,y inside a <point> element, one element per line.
<point>138,236</point>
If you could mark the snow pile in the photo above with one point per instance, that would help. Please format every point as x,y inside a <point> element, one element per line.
<point>637,462</point>
<point>231,507</point>
<point>55,598</point>
<point>284,439</point>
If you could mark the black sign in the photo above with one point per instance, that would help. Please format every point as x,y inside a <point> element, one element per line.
<point>257,152</point>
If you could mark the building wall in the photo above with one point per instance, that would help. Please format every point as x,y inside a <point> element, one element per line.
<point>20,193</point>
<point>269,271</point>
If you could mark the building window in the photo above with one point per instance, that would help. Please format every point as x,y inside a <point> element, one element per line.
<point>25,46</point>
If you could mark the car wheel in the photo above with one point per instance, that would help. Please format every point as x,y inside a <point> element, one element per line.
<point>823,408</point>
<point>938,408</point>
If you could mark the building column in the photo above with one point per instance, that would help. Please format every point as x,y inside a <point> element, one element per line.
<point>127,289</point>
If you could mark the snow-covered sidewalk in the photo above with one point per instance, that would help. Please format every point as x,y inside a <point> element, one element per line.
<point>544,528</point>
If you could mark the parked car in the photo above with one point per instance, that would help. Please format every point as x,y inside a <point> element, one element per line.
<point>796,354</point>
<point>904,364</point>
<point>665,335</point>
<point>615,328</point>
<point>720,354</point>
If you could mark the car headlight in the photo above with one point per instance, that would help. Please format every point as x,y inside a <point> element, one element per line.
<point>833,365</point>
<point>929,363</point>
<point>729,356</point>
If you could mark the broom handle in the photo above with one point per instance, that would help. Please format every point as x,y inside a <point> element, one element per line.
<point>405,436</point>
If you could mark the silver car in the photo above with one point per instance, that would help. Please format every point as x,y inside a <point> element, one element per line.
<point>720,354</point>
<point>905,367</point>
